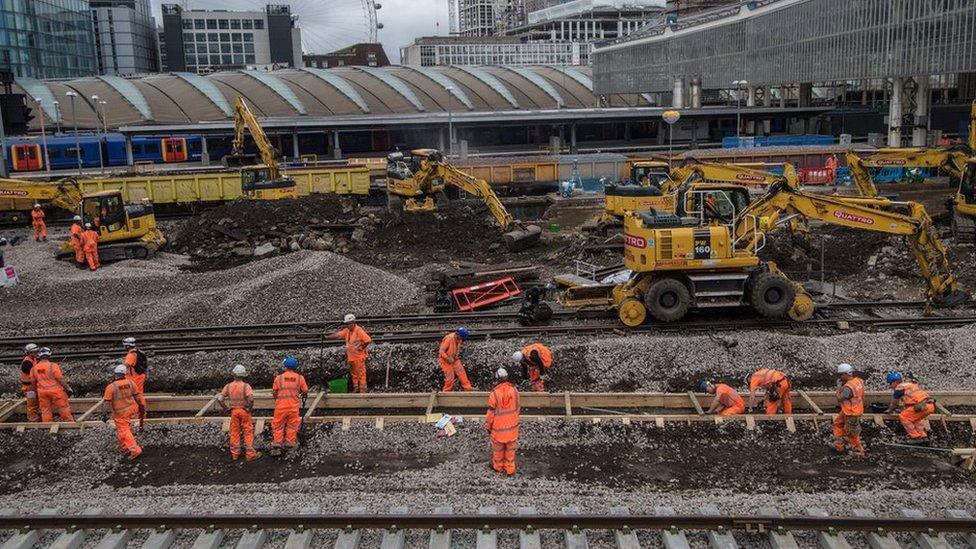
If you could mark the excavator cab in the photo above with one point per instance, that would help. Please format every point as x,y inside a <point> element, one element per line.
<point>126,231</point>
<point>964,205</point>
<point>262,183</point>
<point>649,173</point>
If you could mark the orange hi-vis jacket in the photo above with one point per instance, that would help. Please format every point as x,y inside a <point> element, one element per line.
<point>26,365</point>
<point>854,406</point>
<point>356,341</point>
<point>450,348</point>
<point>728,396</point>
<point>76,231</point>
<point>288,388</point>
<point>913,394</point>
<point>46,376</point>
<point>37,217</point>
<point>544,354</point>
<point>89,241</point>
<point>236,394</point>
<point>765,378</point>
<point>504,411</point>
<point>122,394</point>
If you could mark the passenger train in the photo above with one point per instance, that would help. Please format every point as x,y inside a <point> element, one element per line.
<point>25,154</point>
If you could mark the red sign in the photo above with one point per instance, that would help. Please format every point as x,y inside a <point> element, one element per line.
<point>12,193</point>
<point>852,217</point>
<point>634,241</point>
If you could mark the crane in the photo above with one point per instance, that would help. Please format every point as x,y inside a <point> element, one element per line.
<point>263,181</point>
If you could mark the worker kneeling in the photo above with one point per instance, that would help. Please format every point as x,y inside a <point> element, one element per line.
<point>125,402</point>
<point>727,401</point>
<point>847,423</point>
<point>238,397</point>
<point>288,391</point>
<point>52,391</point>
<point>502,422</point>
<point>535,359</point>
<point>777,388</point>
<point>916,406</point>
<point>450,356</point>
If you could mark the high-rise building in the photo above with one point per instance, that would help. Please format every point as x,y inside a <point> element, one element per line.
<point>480,17</point>
<point>47,38</point>
<point>431,51</point>
<point>204,41</point>
<point>125,37</point>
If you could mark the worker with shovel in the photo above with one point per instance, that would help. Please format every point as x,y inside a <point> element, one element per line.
<point>916,405</point>
<point>357,349</point>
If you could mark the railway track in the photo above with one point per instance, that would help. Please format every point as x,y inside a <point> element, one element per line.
<point>346,531</point>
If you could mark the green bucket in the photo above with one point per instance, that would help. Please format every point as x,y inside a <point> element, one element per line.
<point>339,385</point>
<point>554,228</point>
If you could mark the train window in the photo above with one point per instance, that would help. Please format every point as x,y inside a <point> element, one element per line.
<point>194,145</point>
<point>136,148</point>
<point>53,152</point>
<point>74,153</point>
<point>152,148</point>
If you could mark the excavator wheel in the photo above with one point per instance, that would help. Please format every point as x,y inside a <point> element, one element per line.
<point>516,241</point>
<point>632,312</point>
<point>803,308</point>
<point>772,295</point>
<point>667,299</point>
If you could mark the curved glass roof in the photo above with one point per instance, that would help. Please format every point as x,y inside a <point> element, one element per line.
<point>539,82</point>
<point>277,86</point>
<point>131,93</point>
<point>340,84</point>
<point>445,83</point>
<point>579,77</point>
<point>40,92</point>
<point>208,89</point>
<point>489,80</point>
<point>398,85</point>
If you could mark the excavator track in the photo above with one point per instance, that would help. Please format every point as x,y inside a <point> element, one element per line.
<point>964,229</point>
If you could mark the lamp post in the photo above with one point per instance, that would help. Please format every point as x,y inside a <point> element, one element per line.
<point>739,84</point>
<point>44,155</point>
<point>74,119</point>
<point>671,117</point>
<point>450,122</point>
<point>57,117</point>
<point>100,106</point>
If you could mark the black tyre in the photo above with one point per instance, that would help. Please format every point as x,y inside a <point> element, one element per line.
<point>668,300</point>
<point>772,295</point>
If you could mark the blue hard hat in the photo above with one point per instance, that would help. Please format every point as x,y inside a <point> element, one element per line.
<point>703,386</point>
<point>291,363</point>
<point>464,333</point>
<point>893,377</point>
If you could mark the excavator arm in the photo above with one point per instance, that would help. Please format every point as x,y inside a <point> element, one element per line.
<point>65,194</point>
<point>244,119</point>
<point>479,188</point>
<point>861,177</point>
<point>720,173</point>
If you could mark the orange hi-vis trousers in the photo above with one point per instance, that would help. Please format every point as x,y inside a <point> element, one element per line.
<point>848,429</point>
<point>241,431</point>
<point>452,372</point>
<point>284,426</point>
<point>785,401</point>
<point>54,401</point>
<point>33,407</point>
<point>736,410</point>
<point>123,430</point>
<point>357,370</point>
<point>503,456</point>
<point>914,422</point>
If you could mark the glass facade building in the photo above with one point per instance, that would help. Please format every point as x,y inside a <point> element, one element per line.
<point>47,38</point>
<point>125,37</point>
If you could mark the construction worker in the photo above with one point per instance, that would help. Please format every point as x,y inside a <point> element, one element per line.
<point>123,399</point>
<point>289,390</point>
<point>76,241</point>
<point>31,351</point>
<point>136,365</point>
<point>89,244</point>
<point>37,221</point>
<point>727,401</point>
<point>48,383</point>
<point>357,349</point>
<point>847,423</point>
<point>777,388</point>
<point>535,360</point>
<point>502,423</point>
<point>916,405</point>
<point>450,356</point>
<point>238,397</point>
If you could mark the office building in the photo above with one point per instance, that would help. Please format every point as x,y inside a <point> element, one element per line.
<point>47,38</point>
<point>205,41</point>
<point>357,55</point>
<point>125,37</point>
<point>434,51</point>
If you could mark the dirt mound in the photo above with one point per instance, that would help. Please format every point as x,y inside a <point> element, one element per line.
<point>845,252</point>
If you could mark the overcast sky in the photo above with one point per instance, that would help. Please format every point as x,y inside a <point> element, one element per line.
<point>403,20</point>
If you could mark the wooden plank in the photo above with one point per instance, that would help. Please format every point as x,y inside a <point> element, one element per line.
<point>625,538</point>
<point>206,407</point>
<point>314,405</point>
<point>790,424</point>
<point>926,540</point>
<point>877,540</point>
<point>259,426</point>
<point>568,404</point>
<point>574,537</point>
<point>529,537</point>
<point>659,421</point>
<point>349,538</point>
<point>91,410</point>
<point>750,422</point>
<point>440,538</point>
<point>830,539</point>
<point>695,403</point>
<point>486,538</point>
<point>810,402</point>
<point>11,408</point>
<point>431,403</point>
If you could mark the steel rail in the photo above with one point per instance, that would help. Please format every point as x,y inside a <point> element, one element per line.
<point>754,524</point>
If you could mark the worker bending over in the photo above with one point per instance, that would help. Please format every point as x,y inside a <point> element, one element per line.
<point>124,400</point>
<point>76,244</point>
<point>450,356</point>
<point>136,365</point>
<point>727,401</point>
<point>357,349</point>
<point>47,382</point>
<point>916,405</point>
<point>89,244</point>
<point>37,221</point>
<point>238,397</point>
<point>535,359</point>
<point>777,388</point>
<point>847,423</point>
<point>502,423</point>
<point>27,363</point>
<point>289,390</point>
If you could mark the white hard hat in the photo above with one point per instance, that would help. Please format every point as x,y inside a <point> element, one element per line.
<point>120,370</point>
<point>37,205</point>
<point>502,373</point>
<point>44,351</point>
<point>517,356</point>
<point>845,368</point>
<point>349,318</point>
<point>76,218</point>
<point>30,347</point>
<point>129,342</point>
<point>88,225</point>
<point>240,370</point>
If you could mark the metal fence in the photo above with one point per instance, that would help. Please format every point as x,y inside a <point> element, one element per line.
<point>795,41</point>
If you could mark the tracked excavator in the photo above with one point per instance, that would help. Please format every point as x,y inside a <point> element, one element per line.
<point>684,263</point>
<point>126,231</point>
<point>263,181</point>
<point>419,180</point>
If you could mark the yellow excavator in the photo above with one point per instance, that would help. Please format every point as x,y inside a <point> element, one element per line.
<point>422,177</point>
<point>692,262</point>
<point>126,231</point>
<point>263,181</point>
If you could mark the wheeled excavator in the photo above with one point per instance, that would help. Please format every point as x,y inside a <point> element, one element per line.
<point>422,177</point>
<point>126,231</point>
<point>684,263</point>
<point>263,181</point>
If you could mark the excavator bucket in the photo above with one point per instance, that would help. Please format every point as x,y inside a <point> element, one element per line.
<point>523,238</point>
<point>240,160</point>
<point>954,298</point>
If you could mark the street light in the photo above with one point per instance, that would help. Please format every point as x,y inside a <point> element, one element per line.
<point>739,84</point>
<point>45,157</point>
<point>99,104</point>
<point>450,122</point>
<point>71,96</point>
<point>57,116</point>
